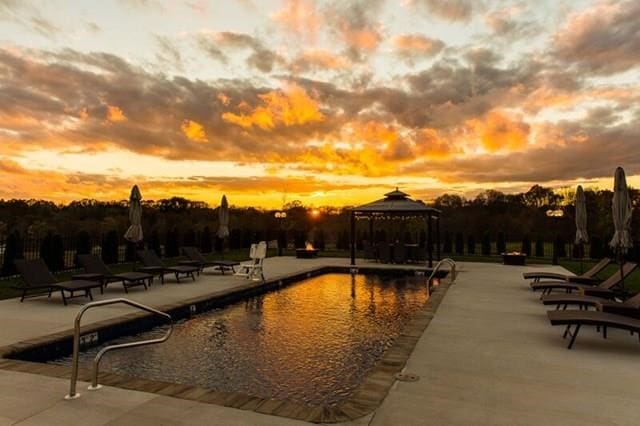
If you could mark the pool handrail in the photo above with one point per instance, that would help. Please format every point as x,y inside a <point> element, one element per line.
<point>96,362</point>
<point>452,270</point>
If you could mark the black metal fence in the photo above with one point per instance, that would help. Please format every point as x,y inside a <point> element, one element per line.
<point>60,252</point>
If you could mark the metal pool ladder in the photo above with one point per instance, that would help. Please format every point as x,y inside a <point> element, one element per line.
<point>452,270</point>
<point>96,362</point>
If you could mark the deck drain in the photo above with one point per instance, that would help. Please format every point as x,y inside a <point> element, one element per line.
<point>407,377</point>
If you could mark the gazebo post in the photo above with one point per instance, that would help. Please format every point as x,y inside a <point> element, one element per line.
<point>438,238</point>
<point>429,240</point>
<point>352,238</point>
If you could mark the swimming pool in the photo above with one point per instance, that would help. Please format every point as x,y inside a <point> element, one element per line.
<point>312,342</point>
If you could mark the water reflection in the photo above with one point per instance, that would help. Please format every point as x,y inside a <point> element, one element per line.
<point>309,342</point>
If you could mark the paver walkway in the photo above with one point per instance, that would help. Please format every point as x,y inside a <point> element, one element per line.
<point>488,357</point>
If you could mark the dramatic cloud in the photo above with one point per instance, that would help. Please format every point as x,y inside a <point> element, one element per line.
<point>326,101</point>
<point>450,10</point>
<point>603,40</point>
<point>301,18</point>
<point>412,47</point>
<point>260,58</point>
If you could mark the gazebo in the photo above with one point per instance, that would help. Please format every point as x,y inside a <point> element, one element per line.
<point>397,205</point>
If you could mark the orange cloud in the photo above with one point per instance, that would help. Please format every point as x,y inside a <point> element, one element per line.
<point>366,39</point>
<point>412,44</point>
<point>288,107</point>
<point>319,59</point>
<point>115,114</point>
<point>498,132</point>
<point>299,17</point>
<point>428,142</point>
<point>193,130</point>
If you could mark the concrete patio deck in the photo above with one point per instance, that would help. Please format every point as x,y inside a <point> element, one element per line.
<point>489,356</point>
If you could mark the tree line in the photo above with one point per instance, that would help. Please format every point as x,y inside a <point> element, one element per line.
<point>482,225</point>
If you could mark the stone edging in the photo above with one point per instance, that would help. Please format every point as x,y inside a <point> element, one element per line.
<point>364,400</point>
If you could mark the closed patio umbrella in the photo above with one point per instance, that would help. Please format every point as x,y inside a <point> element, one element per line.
<point>621,208</point>
<point>581,222</point>
<point>223,217</point>
<point>134,233</point>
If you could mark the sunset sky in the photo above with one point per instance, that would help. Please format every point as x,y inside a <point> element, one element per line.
<point>326,102</point>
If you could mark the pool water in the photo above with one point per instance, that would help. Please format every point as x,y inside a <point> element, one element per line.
<point>311,342</point>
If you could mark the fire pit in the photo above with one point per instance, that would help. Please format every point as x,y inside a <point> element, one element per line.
<point>307,253</point>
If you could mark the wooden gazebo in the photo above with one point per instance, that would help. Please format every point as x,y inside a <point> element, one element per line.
<point>397,204</point>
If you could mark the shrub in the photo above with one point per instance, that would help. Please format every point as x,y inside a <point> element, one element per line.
<point>596,248</point>
<point>318,239</point>
<point>52,251</point>
<point>526,245</point>
<point>172,243</point>
<point>206,244</point>
<point>110,247</point>
<point>130,251</point>
<point>501,246</point>
<point>539,247</point>
<point>561,250</point>
<point>235,240</point>
<point>189,238</point>
<point>486,244</point>
<point>12,251</point>
<point>471,244</point>
<point>153,243</point>
<point>459,243</point>
<point>446,244</point>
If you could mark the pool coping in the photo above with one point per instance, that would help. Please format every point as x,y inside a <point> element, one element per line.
<point>365,399</point>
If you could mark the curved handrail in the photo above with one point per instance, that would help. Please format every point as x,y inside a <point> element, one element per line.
<point>76,341</point>
<point>452,271</point>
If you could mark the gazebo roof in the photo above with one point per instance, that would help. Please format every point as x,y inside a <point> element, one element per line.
<point>396,202</point>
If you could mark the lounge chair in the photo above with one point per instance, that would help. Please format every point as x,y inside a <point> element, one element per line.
<point>584,300</point>
<point>97,270</point>
<point>604,289</point>
<point>195,258</point>
<point>38,280</point>
<point>153,265</point>
<point>600,319</point>
<point>254,268</point>
<point>587,277</point>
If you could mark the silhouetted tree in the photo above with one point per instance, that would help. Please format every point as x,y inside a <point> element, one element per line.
<point>486,244</point>
<point>12,251</point>
<point>459,243</point>
<point>318,239</point>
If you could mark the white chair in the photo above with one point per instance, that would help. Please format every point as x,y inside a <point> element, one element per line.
<point>253,268</point>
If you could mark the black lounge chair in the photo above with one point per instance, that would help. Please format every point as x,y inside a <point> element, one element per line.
<point>38,280</point>
<point>195,258</point>
<point>604,289</point>
<point>600,319</point>
<point>587,277</point>
<point>153,265</point>
<point>98,271</point>
<point>584,301</point>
